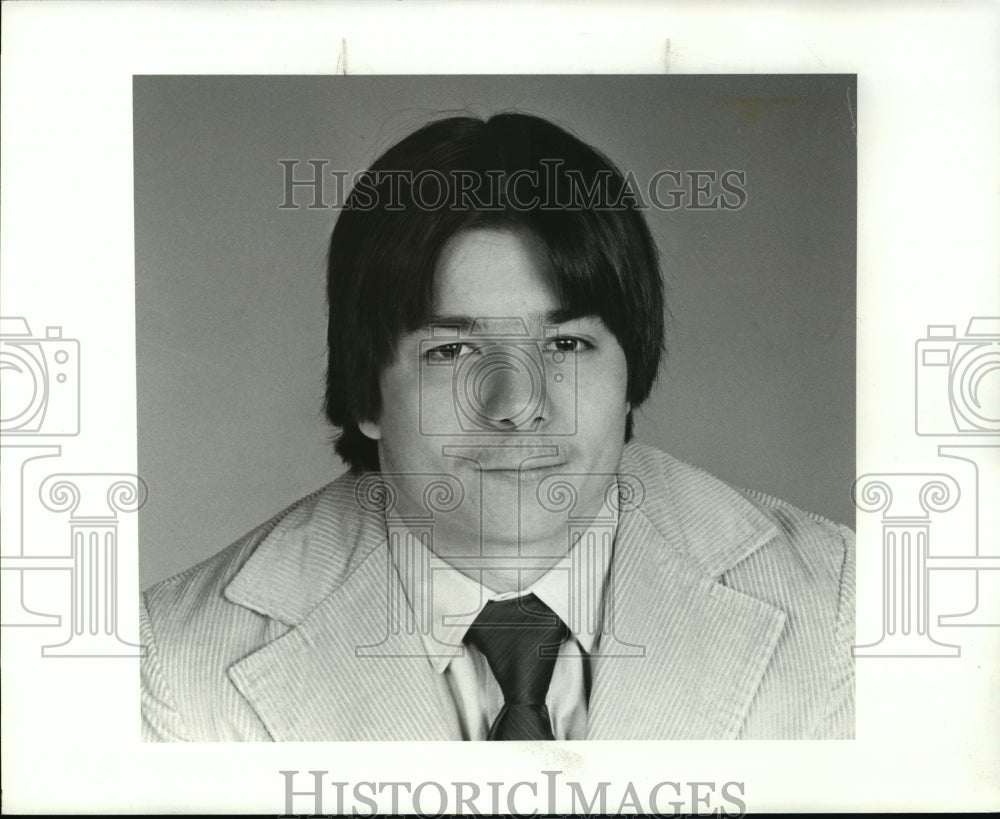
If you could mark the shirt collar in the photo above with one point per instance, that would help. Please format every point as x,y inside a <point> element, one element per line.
<point>444,602</point>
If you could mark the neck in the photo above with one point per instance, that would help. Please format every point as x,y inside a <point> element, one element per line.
<point>510,537</point>
<point>504,571</point>
<point>506,567</point>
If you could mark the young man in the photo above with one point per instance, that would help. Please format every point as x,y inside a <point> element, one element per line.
<point>501,562</point>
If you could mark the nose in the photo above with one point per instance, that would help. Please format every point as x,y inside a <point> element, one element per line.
<point>509,390</point>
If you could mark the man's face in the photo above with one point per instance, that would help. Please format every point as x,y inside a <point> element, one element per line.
<point>506,395</point>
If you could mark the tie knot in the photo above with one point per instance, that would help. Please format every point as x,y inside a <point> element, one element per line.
<point>520,639</point>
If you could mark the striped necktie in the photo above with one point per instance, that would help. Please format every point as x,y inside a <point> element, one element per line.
<point>520,639</point>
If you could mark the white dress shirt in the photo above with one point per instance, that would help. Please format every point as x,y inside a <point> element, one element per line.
<point>450,601</point>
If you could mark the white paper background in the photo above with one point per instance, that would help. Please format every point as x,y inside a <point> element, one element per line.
<point>929,82</point>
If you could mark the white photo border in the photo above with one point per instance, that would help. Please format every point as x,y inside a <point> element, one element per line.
<point>928,253</point>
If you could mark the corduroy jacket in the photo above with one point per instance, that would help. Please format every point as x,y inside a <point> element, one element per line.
<point>733,614</point>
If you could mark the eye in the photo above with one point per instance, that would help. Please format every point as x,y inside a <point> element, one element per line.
<point>448,352</point>
<point>566,344</point>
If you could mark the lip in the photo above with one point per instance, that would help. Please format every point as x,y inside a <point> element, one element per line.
<point>532,470</point>
<point>524,458</point>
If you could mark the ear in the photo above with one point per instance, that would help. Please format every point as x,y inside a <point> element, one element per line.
<point>370,429</point>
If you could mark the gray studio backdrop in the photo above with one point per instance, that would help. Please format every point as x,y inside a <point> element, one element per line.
<point>758,385</point>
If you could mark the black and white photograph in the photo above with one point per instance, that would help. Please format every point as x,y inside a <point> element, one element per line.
<point>525,312</point>
<point>478,409</point>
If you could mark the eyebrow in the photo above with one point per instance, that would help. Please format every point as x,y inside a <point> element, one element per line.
<point>560,316</point>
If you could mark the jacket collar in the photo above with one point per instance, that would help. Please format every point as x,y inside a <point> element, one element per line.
<point>309,552</point>
<point>681,655</point>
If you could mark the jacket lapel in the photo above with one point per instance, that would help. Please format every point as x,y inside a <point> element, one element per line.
<point>682,655</point>
<point>345,670</point>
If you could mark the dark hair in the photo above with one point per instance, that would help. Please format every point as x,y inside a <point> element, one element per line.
<point>512,170</point>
